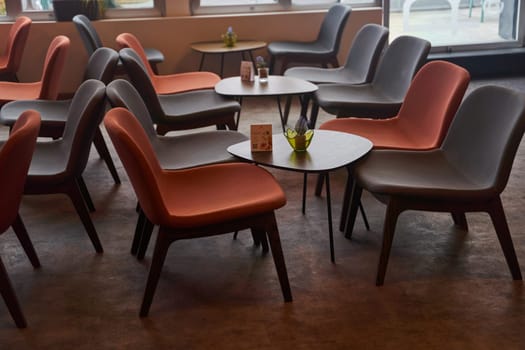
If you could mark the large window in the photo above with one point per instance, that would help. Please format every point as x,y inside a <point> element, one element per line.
<point>456,25</point>
<point>43,9</point>
<point>246,6</point>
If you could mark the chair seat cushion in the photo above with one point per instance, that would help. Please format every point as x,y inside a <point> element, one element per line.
<point>196,104</point>
<point>51,112</point>
<point>218,193</point>
<point>10,91</point>
<point>298,48</point>
<point>422,174</point>
<point>196,149</point>
<point>48,166</point>
<point>181,82</point>
<point>318,75</point>
<point>154,55</point>
<point>384,133</point>
<point>356,101</point>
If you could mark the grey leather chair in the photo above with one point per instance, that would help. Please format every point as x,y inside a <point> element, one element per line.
<point>92,41</point>
<point>467,173</point>
<point>185,110</point>
<point>57,165</point>
<point>383,96</point>
<point>54,113</point>
<point>363,56</point>
<point>322,51</point>
<point>173,152</point>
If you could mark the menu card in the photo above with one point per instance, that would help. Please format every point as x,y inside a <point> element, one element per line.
<point>261,137</point>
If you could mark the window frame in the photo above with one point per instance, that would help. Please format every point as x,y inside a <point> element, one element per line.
<point>14,9</point>
<point>280,6</point>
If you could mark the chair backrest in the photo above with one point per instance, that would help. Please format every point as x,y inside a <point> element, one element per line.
<point>400,62</point>
<point>431,102</point>
<point>16,43</point>
<point>485,134</point>
<point>15,157</point>
<point>333,26</point>
<point>138,75</point>
<point>128,40</point>
<point>139,160</point>
<point>102,65</point>
<point>121,93</point>
<point>53,67</point>
<point>84,116</point>
<point>366,49</point>
<point>88,34</point>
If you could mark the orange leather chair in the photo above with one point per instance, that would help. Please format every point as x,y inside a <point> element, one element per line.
<point>47,87</point>
<point>189,203</point>
<point>11,58</point>
<point>432,100</point>
<point>15,157</point>
<point>171,83</point>
<point>430,104</point>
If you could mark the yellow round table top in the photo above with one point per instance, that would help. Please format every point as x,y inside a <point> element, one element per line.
<point>219,47</point>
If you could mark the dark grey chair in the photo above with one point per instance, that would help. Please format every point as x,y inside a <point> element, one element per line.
<point>185,110</point>
<point>173,152</point>
<point>467,173</point>
<point>57,165</point>
<point>361,62</point>
<point>54,113</point>
<point>322,51</point>
<point>383,96</point>
<point>91,40</point>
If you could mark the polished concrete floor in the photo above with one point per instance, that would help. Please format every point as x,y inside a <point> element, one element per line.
<point>444,288</point>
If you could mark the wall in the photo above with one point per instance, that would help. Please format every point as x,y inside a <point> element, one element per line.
<point>173,35</point>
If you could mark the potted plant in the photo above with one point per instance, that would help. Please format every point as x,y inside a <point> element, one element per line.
<point>229,38</point>
<point>65,10</point>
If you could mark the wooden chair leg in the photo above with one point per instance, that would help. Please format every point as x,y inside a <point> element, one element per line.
<point>497,214</point>
<point>9,296</point>
<point>102,149</point>
<point>355,199</point>
<point>25,241</point>
<point>259,238</point>
<point>319,184</point>
<point>75,194</point>
<point>147,230</point>
<point>85,194</point>
<point>392,213</point>
<point>138,232</point>
<point>278,257</point>
<point>460,220</point>
<point>157,262</point>
<point>313,115</point>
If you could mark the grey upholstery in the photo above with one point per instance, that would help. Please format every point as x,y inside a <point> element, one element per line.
<point>467,173</point>
<point>361,62</point>
<point>54,113</point>
<point>383,96</point>
<point>322,51</point>
<point>57,165</point>
<point>187,110</point>
<point>173,152</point>
<point>92,41</point>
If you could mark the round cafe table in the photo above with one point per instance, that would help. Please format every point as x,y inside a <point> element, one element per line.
<point>218,48</point>
<point>328,151</point>
<point>277,85</point>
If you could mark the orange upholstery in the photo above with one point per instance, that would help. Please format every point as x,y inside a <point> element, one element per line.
<point>423,120</point>
<point>171,83</point>
<point>48,86</point>
<point>197,202</point>
<point>14,49</point>
<point>15,157</point>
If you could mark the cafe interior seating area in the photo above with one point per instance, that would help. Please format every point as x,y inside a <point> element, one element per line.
<point>186,226</point>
